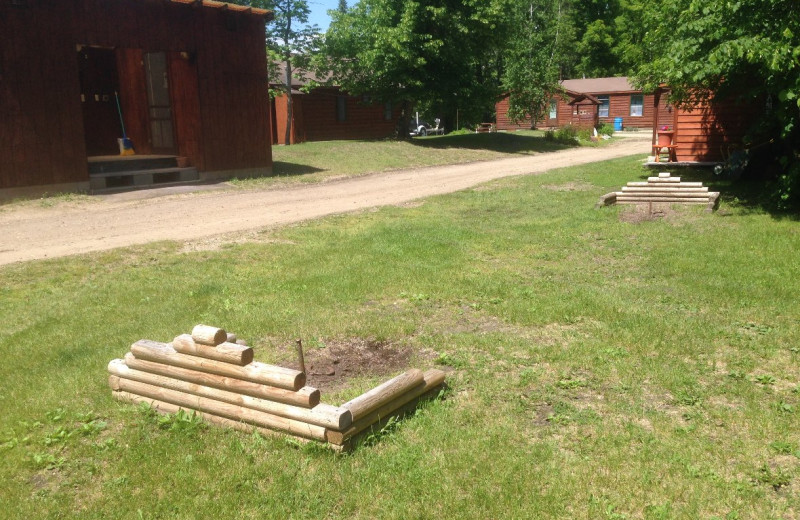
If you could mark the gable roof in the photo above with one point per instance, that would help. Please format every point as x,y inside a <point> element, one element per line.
<point>599,85</point>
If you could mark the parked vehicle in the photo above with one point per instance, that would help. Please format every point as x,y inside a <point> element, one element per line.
<point>418,127</point>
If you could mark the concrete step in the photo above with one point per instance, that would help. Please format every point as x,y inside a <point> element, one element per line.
<point>142,178</point>
<point>113,163</point>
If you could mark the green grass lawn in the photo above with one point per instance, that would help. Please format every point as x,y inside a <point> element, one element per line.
<point>605,363</point>
<point>317,161</point>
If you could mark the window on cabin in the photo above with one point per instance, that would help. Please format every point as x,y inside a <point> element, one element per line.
<point>341,108</point>
<point>387,111</point>
<point>553,109</point>
<point>637,105</point>
<point>602,110</point>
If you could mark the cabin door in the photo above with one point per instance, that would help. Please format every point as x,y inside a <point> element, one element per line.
<point>97,69</point>
<point>162,134</point>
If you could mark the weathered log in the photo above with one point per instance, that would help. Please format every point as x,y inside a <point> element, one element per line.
<point>207,335</point>
<point>229,411</point>
<point>226,352</point>
<point>380,395</point>
<point>231,338</point>
<point>433,380</point>
<point>164,407</point>
<point>322,415</point>
<point>306,397</point>
<point>256,372</point>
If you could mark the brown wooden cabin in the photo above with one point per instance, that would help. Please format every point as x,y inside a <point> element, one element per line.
<point>191,77</point>
<point>706,133</point>
<point>616,97</point>
<point>327,113</point>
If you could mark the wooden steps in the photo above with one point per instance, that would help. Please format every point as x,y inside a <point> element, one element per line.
<point>662,189</point>
<point>213,374</point>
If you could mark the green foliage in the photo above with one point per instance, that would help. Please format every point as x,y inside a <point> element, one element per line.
<point>432,53</point>
<point>746,51</point>
<point>605,129</point>
<point>531,72</point>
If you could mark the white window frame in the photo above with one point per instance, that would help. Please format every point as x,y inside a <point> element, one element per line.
<point>553,109</point>
<point>637,109</point>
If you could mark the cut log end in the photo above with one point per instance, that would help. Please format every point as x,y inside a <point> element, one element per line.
<point>207,335</point>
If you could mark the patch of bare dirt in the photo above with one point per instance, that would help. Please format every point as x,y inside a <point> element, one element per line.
<point>330,368</point>
<point>647,213</point>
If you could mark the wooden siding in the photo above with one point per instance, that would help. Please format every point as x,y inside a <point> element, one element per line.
<point>315,118</point>
<point>502,120</point>
<point>619,106</point>
<point>707,131</point>
<point>221,84</point>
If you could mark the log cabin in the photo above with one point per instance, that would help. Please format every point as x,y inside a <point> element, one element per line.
<point>590,102</point>
<point>186,78</point>
<point>702,133</point>
<point>326,113</point>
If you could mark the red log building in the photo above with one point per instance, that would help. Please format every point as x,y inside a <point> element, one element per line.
<point>191,77</point>
<point>591,102</point>
<point>327,113</point>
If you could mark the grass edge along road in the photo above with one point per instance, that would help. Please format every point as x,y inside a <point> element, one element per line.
<point>605,363</point>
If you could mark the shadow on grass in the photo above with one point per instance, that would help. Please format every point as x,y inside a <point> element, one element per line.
<point>281,168</point>
<point>495,142</point>
<point>749,195</point>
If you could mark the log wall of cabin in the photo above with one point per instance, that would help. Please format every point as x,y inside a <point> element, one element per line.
<point>218,85</point>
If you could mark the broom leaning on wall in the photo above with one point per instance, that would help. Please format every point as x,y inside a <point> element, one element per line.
<point>125,144</point>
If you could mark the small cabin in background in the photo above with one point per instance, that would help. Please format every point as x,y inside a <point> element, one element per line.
<point>326,113</point>
<point>597,100</point>
<point>188,76</point>
<point>706,133</point>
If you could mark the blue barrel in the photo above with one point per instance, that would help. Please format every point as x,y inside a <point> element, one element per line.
<point>618,124</point>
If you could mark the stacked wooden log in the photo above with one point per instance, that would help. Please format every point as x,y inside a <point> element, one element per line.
<point>664,189</point>
<point>212,374</point>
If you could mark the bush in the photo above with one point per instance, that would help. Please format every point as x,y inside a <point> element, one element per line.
<point>585,134</point>
<point>567,134</point>
<point>605,129</point>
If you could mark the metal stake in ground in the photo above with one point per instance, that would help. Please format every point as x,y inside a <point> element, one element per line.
<point>300,358</point>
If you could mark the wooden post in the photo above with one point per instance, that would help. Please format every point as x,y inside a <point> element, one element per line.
<point>300,360</point>
<point>164,407</point>
<point>229,411</point>
<point>433,379</point>
<point>321,415</point>
<point>306,397</point>
<point>256,372</point>
<point>225,352</point>
<point>382,394</point>
<point>207,335</point>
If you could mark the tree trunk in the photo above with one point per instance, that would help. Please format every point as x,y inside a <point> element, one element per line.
<point>289,107</point>
<point>288,60</point>
<point>402,124</point>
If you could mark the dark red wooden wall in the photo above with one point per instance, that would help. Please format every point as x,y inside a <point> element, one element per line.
<point>619,106</point>
<point>315,117</point>
<point>218,85</point>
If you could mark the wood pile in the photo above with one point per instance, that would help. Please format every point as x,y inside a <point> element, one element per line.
<point>663,189</point>
<point>213,374</point>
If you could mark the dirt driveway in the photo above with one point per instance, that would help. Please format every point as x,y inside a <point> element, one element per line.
<point>111,221</point>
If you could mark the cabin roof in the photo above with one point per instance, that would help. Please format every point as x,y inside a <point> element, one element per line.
<point>600,85</point>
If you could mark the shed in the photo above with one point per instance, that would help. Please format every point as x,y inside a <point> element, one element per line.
<point>327,112</point>
<point>190,76</point>
<point>704,132</point>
